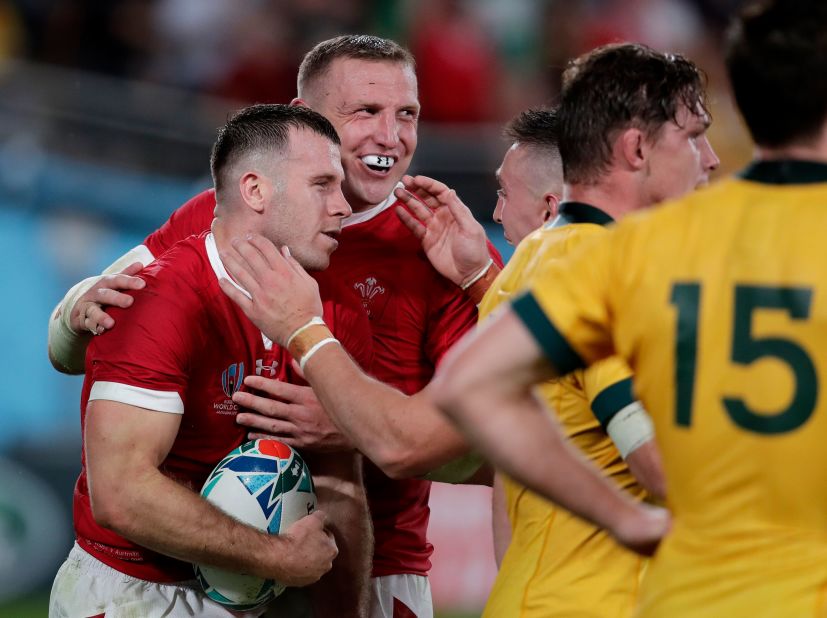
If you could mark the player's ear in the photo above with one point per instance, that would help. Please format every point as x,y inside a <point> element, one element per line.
<point>551,201</point>
<point>299,101</point>
<point>254,190</point>
<point>632,149</point>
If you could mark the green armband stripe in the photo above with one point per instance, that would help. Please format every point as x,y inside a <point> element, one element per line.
<point>612,400</point>
<point>553,344</point>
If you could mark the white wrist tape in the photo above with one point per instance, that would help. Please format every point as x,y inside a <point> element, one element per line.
<point>630,428</point>
<point>479,275</point>
<point>315,349</point>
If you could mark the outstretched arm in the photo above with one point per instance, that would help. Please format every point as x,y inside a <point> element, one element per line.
<point>127,442</point>
<point>485,387</point>
<point>404,436</point>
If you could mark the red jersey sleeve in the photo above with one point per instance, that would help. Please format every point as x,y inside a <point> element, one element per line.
<point>153,348</point>
<point>453,315</point>
<point>194,217</point>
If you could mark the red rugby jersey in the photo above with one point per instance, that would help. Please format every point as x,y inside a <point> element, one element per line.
<point>185,347</point>
<point>415,316</point>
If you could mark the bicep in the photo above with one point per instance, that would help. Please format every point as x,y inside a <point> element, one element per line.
<point>121,439</point>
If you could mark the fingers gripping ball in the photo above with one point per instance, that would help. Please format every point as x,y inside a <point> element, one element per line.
<point>267,485</point>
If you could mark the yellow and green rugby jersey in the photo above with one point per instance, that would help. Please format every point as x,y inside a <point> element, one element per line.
<point>556,564</point>
<point>719,304</point>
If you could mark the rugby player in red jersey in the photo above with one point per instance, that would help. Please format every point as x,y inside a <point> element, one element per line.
<point>157,413</point>
<point>366,86</point>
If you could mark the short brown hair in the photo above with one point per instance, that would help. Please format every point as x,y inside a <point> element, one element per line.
<point>535,127</point>
<point>359,46</point>
<point>263,127</point>
<point>616,87</point>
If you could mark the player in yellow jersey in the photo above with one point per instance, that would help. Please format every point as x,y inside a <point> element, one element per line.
<point>558,565</point>
<point>530,180</point>
<point>718,303</point>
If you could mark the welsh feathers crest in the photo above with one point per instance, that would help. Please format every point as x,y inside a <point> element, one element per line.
<point>368,289</point>
<point>373,296</point>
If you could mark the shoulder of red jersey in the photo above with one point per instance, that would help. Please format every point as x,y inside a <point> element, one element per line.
<point>185,266</point>
<point>193,217</point>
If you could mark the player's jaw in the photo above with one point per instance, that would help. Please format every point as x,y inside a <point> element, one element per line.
<point>315,252</point>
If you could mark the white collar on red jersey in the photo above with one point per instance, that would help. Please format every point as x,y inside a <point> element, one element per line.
<point>221,273</point>
<point>370,213</point>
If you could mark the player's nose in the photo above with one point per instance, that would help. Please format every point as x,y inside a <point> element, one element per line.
<point>498,211</point>
<point>338,206</point>
<point>386,130</point>
<point>709,159</point>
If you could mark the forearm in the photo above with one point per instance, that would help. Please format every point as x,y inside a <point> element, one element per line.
<point>344,591</point>
<point>156,512</point>
<point>500,525</point>
<point>405,436</point>
<point>645,464</point>
<point>67,349</point>
<point>528,446</point>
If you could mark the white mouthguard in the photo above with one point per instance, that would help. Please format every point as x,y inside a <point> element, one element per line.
<point>378,160</point>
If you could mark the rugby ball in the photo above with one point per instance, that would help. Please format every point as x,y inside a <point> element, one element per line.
<point>264,484</point>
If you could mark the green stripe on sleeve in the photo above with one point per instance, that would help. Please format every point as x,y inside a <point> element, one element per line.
<point>554,346</point>
<point>612,400</point>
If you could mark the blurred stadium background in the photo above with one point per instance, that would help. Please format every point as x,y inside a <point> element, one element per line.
<point>108,109</point>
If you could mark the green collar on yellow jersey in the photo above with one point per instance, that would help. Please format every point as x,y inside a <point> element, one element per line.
<point>579,212</point>
<point>786,172</point>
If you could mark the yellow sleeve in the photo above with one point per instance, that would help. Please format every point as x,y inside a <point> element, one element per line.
<point>567,305</point>
<point>512,277</point>
<point>608,387</point>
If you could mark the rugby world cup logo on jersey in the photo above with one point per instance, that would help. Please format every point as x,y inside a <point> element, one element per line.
<point>232,378</point>
<point>373,296</point>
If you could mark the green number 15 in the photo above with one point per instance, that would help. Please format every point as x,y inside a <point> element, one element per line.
<point>746,349</point>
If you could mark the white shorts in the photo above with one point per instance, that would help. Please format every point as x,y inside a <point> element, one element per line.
<point>401,596</point>
<point>85,587</point>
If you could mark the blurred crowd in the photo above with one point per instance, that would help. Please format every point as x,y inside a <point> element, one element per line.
<point>479,60</point>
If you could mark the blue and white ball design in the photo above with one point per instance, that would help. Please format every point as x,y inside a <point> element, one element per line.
<point>267,485</point>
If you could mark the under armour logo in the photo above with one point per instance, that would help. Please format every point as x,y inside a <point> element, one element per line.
<point>261,367</point>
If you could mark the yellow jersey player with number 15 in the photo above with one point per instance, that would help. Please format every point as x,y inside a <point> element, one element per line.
<point>719,304</point>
